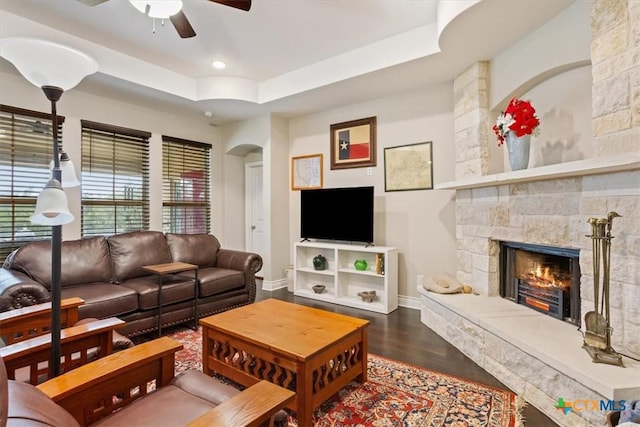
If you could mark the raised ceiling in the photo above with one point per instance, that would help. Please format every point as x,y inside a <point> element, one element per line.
<point>288,57</point>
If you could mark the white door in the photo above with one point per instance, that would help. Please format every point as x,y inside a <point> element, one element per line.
<point>254,208</point>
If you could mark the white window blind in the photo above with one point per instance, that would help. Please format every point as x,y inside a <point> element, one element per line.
<point>26,149</point>
<point>186,206</point>
<point>115,179</point>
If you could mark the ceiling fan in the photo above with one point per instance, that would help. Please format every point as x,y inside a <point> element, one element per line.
<point>164,9</point>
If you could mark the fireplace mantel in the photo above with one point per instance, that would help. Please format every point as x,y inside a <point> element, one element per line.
<point>601,165</point>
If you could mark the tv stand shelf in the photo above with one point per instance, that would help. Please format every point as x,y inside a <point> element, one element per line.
<point>341,280</point>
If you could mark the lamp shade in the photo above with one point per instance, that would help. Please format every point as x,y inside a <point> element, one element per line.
<point>68,171</point>
<point>161,9</point>
<point>52,207</point>
<point>45,63</point>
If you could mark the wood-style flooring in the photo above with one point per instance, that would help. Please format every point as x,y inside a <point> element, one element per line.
<point>401,336</point>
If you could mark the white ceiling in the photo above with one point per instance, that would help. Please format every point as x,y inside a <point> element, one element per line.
<point>288,57</point>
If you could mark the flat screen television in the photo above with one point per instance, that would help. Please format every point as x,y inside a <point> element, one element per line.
<point>344,214</point>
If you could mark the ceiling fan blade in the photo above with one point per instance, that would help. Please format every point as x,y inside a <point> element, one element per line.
<point>182,25</point>
<point>238,4</point>
<point>92,2</point>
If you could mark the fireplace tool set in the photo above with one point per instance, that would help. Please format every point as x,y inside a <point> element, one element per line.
<point>597,336</point>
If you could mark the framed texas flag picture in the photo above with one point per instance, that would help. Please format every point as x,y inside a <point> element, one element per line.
<point>353,144</point>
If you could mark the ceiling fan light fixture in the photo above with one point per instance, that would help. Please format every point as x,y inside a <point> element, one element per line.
<point>218,64</point>
<point>161,9</point>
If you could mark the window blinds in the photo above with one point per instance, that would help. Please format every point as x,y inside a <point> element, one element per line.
<point>186,206</point>
<point>26,149</point>
<point>115,179</point>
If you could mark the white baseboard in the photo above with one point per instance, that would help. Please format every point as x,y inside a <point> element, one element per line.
<point>272,285</point>
<point>409,302</point>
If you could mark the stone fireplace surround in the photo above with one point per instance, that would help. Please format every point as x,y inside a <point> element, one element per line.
<point>539,357</point>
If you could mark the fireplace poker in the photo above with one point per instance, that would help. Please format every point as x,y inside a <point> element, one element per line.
<point>606,258</point>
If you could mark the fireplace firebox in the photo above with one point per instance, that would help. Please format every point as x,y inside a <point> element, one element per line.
<point>544,278</point>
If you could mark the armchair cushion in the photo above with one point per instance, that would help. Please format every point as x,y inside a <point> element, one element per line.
<point>198,249</point>
<point>186,398</point>
<point>199,384</point>
<point>131,251</point>
<point>30,406</point>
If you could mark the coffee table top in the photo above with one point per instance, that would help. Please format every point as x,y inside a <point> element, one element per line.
<point>285,327</point>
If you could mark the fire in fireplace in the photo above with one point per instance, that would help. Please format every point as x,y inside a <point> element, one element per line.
<point>544,278</point>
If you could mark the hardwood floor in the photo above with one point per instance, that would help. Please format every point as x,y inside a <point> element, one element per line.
<point>400,335</point>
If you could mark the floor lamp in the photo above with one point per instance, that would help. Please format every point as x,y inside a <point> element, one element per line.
<point>54,68</point>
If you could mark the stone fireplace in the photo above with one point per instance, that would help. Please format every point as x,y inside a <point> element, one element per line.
<point>543,278</point>
<point>538,356</point>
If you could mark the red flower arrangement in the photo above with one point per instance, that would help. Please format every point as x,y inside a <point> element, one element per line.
<point>519,117</point>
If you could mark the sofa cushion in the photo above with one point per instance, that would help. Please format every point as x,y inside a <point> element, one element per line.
<point>131,251</point>
<point>198,249</point>
<point>214,281</point>
<point>174,289</point>
<point>82,261</point>
<point>103,299</point>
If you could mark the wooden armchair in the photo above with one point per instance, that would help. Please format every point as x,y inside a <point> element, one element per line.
<point>25,330</point>
<point>28,322</point>
<point>137,387</point>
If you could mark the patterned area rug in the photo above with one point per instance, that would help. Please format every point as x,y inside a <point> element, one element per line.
<point>396,394</point>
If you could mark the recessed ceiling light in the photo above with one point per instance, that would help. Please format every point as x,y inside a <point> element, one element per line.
<point>219,64</point>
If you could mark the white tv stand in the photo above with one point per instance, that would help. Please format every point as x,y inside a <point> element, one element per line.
<point>341,280</point>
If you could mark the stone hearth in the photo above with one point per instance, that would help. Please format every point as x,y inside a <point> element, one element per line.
<point>537,356</point>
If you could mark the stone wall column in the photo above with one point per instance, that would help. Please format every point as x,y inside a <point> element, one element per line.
<point>470,118</point>
<point>615,59</point>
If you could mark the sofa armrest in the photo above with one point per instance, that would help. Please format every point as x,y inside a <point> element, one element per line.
<point>252,408</point>
<point>249,263</point>
<point>95,390</point>
<point>20,290</point>
<point>78,346</point>
<point>28,322</point>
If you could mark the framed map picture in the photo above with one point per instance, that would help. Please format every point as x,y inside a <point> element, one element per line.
<point>306,172</point>
<point>353,144</point>
<point>408,167</point>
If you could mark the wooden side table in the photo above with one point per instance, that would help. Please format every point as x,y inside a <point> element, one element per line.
<point>162,270</point>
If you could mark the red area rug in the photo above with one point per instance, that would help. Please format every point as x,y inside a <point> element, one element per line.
<point>396,394</point>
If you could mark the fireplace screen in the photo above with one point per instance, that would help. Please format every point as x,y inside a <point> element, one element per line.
<point>546,279</point>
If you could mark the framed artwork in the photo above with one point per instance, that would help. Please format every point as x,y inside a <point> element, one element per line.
<point>408,167</point>
<point>306,172</point>
<point>353,144</point>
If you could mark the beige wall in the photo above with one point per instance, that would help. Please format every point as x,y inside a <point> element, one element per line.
<point>421,224</point>
<point>76,105</point>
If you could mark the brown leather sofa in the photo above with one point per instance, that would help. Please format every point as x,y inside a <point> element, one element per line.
<point>137,387</point>
<point>107,274</point>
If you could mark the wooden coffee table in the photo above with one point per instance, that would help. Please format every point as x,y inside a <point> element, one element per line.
<point>310,351</point>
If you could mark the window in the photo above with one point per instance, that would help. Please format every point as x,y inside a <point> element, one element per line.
<point>26,150</point>
<point>115,179</point>
<point>186,206</point>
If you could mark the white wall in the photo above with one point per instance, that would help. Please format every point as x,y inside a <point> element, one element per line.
<point>421,224</point>
<point>76,105</point>
<point>239,139</point>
